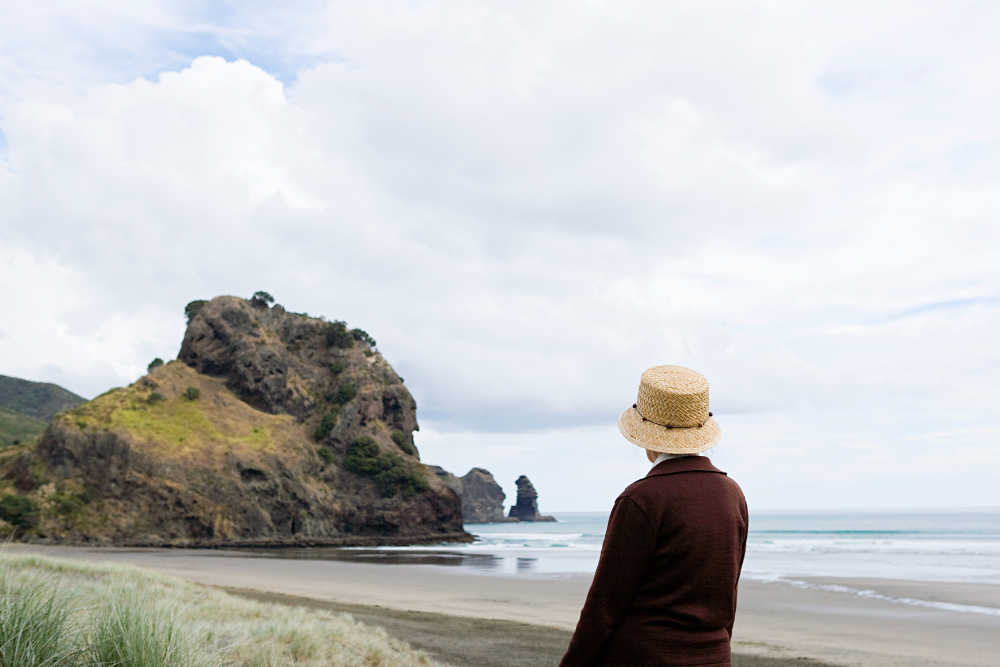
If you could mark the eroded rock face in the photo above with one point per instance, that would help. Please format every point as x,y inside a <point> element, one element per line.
<point>259,454</point>
<point>526,508</point>
<point>481,496</point>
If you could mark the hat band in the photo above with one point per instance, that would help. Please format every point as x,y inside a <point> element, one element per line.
<point>635,406</point>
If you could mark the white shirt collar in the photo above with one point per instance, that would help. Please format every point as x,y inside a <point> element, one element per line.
<point>665,457</point>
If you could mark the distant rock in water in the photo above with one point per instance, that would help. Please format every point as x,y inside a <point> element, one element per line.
<point>481,496</point>
<point>526,508</point>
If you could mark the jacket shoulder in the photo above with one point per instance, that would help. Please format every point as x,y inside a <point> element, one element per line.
<point>657,478</point>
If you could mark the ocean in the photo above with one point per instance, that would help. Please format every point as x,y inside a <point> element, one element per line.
<point>925,545</point>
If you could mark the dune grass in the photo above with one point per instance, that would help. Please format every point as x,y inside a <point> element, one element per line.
<point>59,613</point>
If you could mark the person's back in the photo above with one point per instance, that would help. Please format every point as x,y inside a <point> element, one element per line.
<point>664,593</point>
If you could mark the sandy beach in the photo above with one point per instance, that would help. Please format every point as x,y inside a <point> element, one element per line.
<point>453,613</point>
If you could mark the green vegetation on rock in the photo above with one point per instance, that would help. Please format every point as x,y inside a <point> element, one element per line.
<point>346,393</point>
<point>192,393</point>
<point>337,368</point>
<point>19,512</point>
<point>326,425</point>
<point>402,442</point>
<point>155,363</point>
<point>388,470</point>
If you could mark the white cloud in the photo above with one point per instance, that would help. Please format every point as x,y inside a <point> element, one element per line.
<point>527,205</point>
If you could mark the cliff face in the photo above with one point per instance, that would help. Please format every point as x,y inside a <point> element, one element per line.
<point>481,496</point>
<point>272,428</point>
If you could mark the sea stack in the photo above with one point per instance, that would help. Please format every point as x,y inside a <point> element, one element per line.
<point>526,508</point>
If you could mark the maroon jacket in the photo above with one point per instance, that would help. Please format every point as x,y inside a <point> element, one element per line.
<point>664,593</point>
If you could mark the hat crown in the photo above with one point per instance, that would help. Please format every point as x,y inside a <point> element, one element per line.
<point>673,395</point>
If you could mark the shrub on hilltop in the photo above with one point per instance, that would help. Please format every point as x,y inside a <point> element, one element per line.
<point>261,299</point>
<point>337,335</point>
<point>362,336</point>
<point>192,309</point>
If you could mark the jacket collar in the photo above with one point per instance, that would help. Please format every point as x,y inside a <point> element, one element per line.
<point>683,464</point>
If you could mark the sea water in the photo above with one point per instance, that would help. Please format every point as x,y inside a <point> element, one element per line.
<point>924,545</point>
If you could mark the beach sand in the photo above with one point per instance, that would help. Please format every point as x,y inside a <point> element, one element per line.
<point>471,619</point>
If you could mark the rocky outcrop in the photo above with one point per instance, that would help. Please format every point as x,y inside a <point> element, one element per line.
<point>526,508</point>
<point>481,496</point>
<point>273,428</point>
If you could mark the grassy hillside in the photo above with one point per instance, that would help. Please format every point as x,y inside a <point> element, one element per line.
<point>177,413</point>
<point>16,428</point>
<point>41,400</point>
<point>62,613</point>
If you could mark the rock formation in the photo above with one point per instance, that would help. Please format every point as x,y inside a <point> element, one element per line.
<point>481,496</point>
<point>272,428</point>
<point>526,508</point>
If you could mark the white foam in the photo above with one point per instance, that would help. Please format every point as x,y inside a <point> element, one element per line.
<point>874,595</point>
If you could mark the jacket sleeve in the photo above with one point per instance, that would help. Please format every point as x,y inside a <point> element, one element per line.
<point>628,548</point>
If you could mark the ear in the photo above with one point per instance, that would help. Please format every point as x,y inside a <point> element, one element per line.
<point>651,455</point>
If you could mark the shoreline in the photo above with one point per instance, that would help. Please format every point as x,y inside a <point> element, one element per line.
<point>832,621</point>
<point>421,539</point>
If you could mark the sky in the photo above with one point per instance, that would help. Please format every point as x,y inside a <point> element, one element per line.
<point>527,204</point>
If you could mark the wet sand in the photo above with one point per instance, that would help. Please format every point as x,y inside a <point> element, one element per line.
<point>476,642</point>
<point>473,619</point>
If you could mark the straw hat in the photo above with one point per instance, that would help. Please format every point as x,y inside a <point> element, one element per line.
<point>671,414</point>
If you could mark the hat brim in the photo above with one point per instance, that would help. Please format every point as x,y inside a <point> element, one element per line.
<point>658,438</point>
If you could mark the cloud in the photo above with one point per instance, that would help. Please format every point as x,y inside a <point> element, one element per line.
<point>526,205</point>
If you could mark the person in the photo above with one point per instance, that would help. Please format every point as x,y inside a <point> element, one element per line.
<point>664,593</point>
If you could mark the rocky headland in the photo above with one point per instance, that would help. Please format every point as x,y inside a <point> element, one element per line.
<point>272,428</point>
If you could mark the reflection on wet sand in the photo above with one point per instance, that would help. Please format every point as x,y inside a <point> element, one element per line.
<point>477,561</point>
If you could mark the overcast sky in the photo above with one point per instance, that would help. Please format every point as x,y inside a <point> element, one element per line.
<point>528,203</point>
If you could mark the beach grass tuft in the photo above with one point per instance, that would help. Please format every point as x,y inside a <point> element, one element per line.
<point>60,613</point>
